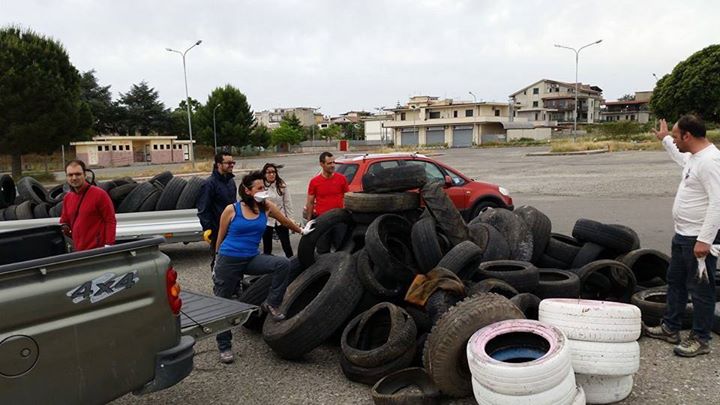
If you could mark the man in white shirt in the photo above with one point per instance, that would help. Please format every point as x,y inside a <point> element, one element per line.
<point>696,215</point>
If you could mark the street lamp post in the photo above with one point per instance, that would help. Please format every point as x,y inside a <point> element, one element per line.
<point>473,96</point>
<point>656,78</point>
<point>577,57</point>
<point>214,127</point>
<point>187,98</point>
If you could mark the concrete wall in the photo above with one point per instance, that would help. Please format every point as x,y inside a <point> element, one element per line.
<point>535,133</point>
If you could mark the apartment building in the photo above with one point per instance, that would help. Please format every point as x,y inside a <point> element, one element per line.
<point>376,128</point>
<point>637,109</point>
<point>272,118</point>
<point>553,102</point>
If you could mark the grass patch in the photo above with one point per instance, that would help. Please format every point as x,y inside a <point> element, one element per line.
<point>610,145</point>
<point>149,171</point>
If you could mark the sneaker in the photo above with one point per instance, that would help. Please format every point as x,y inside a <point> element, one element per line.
<point>272,311</point>
<point>691,347</point>
<point>661,332</point>
<point>227,357</point>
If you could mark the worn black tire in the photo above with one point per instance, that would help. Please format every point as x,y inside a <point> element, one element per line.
<point>497,247</point>
<point>56,210</point>
<point>171,194</point>
<point>316,304</point>
<point>364,218</point>
<point>118,194</point>
<point>548,262</point>
<point>622,281</point>
<point>30,189</point>
<point>323,224</point>
<point>631,232</point>
<point>57,193</point>
<point>527,303</point>
<point>514,229</point>
<point>378,336</point>
<point>616,238</point>
<point>383,203</point>
<point>106,186</point>
<point>391,389</point>
<point>562,248</point>
<point>374,280</point>
<point>557,283</point>
<point>438,303</point>
<point>652,304</point>
<point>123,180</point>
<point>590,252</point>
<point>41,211</point>
<point>151,202</point>
<point>421,318</point>
<point>425,244</point>
<point>190,194</point>
<point>400,178</point>
<point>135,198</point>
<point>647,264</point>
<point>524,276</point>
<point>9,213</point>
<point>25,210</point>
<point>371,375</point>
<point>162,178</point>
<point>387,242</point>
<point>444,358</point>
<point>256,293</point>
<point>447,217</point>
<point>540,227</point>
<point>462,259</point>
<point>7,191</point>
<point>493,285</point>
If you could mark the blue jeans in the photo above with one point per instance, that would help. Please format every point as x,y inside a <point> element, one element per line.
<point>229,272</point>
<point>682,279</point>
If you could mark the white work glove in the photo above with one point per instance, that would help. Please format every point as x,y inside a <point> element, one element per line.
<point>309,227</point>
<point>701,268</point>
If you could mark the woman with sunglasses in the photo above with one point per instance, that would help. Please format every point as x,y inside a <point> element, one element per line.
<point>280,196</point>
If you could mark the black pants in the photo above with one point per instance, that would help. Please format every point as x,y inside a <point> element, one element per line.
<point>284,236</point>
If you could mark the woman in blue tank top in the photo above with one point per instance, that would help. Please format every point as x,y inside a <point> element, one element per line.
<point>242,225</point>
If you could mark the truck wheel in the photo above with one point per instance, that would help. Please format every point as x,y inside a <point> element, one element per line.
<point>189,195</point>
<point>381,203</point>
<point>7,190</point>
<point>446,216</point>
<point>400,178</point>
<point>31,189</point>
<point>171,194</point>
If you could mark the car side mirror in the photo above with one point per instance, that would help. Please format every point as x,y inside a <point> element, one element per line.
<point>448,181</point>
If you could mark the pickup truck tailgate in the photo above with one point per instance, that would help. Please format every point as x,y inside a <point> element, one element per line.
<point>204,316</point>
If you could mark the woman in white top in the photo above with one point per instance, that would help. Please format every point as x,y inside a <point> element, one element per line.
<point>280,196</point>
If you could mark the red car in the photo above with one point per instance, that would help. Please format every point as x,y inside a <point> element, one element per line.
<point>469,196</point>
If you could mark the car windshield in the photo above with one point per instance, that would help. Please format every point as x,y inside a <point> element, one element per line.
<point>347,170</point>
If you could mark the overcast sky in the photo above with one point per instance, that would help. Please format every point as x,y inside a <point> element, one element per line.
<point>359,55</point>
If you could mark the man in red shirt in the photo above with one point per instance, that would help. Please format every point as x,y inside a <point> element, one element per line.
<point>326,190</point>
<point>88,216</point>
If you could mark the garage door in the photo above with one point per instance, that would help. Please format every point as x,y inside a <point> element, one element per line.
<point>435,136</point>
<point>409,137</point>
<point>462,136</point>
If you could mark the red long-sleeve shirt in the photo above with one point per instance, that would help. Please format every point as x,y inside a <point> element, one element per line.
<point>95,223</point>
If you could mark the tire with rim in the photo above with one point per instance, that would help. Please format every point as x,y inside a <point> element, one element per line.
<point>622,281</point>
<point>616,238</point>
<point>445,356</point>
<point>30,189</point>
<point>189,196</point>
<point>426,244</point>
<point>323,224</point>
<point>383,203</point>
<point>514,229</point>
<point>171,194</point>
<point>316,304</point>
<point>519,357</point>
<point>557,283</point>
<point>400,178</point>
<point>462,259</point>
<point>591,320</point>
<point>599,389</point>
<point>447,217</point>
<point>379,335</point>
<point>524,276</point>
<point>540,227</point>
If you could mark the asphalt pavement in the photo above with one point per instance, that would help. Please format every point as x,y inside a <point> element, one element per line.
<point>631,188</point>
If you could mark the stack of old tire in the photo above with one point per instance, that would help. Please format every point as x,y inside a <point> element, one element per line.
<point>29,199</point>
<point>603,343</point>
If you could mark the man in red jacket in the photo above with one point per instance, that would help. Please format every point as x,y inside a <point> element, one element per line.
<point>88,216</point>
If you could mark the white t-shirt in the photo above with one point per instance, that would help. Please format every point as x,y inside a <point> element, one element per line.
<point>284,203</point>
<point>696,210</point>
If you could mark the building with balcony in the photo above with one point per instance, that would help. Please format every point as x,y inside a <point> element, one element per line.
<point>553,102</point>
<point>272,118</point>
<point>637,109</point>
<point>376,128</point>
<point>427,120</point>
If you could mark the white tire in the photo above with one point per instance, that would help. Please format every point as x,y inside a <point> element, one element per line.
<point>610,359</point>
<point>604,389</point>
<point>519,357</point>
<point>593,321</point>
<point>579,395</point>
<point>561,394</point>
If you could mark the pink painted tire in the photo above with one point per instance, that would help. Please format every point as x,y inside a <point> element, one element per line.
<point>519,357</point>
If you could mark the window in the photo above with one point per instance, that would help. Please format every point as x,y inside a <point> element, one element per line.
<point>114,147</point>
<point>155,147</point>
<point>434,114</point>
<point>456,179</point>
<point>455,114</point>
<point>535,103</point>
<point>402,116</point>
<point>432,172</point>
<point>127,147</point>
<point>167,147</point>
<point>536,90</point>
<point>524,91</point>
<point>378,167</point>
<point>632,117</point>
<point>347,170</point>
<point>497,113</point>
<point>536,116</point>
<point>468,113</point>
<point>107,148</point>
<point>99,148</point>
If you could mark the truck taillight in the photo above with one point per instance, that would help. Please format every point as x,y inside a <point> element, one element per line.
<point>173,290</point>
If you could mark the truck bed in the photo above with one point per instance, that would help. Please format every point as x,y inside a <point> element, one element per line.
<point>203,315</point>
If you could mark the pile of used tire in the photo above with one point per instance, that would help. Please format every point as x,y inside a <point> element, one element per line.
<point>29,199</point>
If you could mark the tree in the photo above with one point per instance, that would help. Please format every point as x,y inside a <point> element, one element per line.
<point>143,112</point>
<point>333,131</point>
<point>286,134</point>
<point>692,87</point>
<point>40,104</point>
<point>99,100</point>
<point>234,119</point>
<point>355,131</point>
<point>293,121</point>
<point>179,121</point>
<point>261,136</point>
<point>627,97</point>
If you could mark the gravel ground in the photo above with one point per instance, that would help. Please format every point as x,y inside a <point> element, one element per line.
<point>634,188</point>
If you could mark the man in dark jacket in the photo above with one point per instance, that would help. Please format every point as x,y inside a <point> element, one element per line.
<point>218,191</point>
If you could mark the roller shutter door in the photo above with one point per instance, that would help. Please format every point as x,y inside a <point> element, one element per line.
<point>435,136</point>
<point>409,137</point>
<point>462,136</point>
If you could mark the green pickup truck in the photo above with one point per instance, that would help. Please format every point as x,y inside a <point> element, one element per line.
<point>88,327</point>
